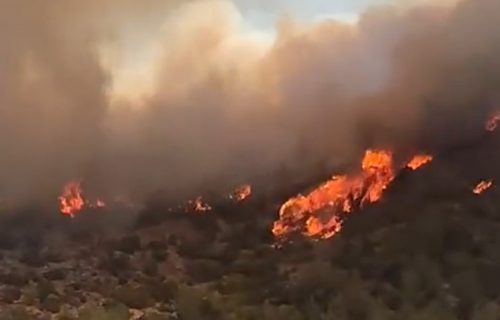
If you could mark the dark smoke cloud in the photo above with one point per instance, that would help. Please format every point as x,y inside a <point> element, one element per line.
<point>217,107</point>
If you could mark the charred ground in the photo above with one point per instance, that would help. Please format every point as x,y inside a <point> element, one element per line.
<point>427,250</point>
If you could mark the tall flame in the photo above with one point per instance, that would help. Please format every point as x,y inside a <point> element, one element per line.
<point>482,186</point>
<point>71,200</point>
<point>319,214</point>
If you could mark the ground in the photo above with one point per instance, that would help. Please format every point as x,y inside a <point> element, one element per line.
<point>430,249</point>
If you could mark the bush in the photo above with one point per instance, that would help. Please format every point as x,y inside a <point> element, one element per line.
<point>55,274</point>
<point>32,258</point>
<point>129,244</point>
<point>10,294</point>
<point>116,312</point>
<point>316,279</point>
<point>137,297</point>
<point>203,270</point>
<point>44,288</point>
<point>52,303</point>
<point>192,304</point>
<point>433,311</point>
<point>163,291</point>
<point>489,311</point>
<point>282,312</point>
<point>15,313</point>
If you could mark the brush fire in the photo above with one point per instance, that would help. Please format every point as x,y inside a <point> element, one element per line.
<point>157,152</point>
<point>319,214</point>
<point>72,200</point>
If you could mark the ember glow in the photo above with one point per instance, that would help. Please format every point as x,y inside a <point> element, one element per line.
<point>71,200</point>
<point>199,205</point>
<point>241,193</point>
<point>492,123</point>
<point>319,214</point>
<point>482,186</point>
<point>418,161</point>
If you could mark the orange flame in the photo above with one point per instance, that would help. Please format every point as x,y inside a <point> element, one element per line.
<point>241,193</point>
<point>418,161</point>
<point>71,201</point>
<point>319,214</point>
<point>482,186</point>
<point>199,205</point>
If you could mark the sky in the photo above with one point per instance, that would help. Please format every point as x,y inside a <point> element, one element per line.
<point>259,20</point>
<point>262,14</point>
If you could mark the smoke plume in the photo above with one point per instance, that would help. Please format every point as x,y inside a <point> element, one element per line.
<point>175,96</point>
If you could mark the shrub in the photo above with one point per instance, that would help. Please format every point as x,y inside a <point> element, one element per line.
<point>489,311</point>
<point>192,304</point>
<point>52,303</point>
<point>10,294</point>
<point>137,297</point>
<point>129,244</point>
<point>116,312</point>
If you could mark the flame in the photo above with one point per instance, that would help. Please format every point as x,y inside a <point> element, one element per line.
<point>241,193</point>
<point>482,186</point>
<point>418,161</point>
<point>492,122</point>
<point>319,214</point>
<point>199,205</point>
<point>71,200</point>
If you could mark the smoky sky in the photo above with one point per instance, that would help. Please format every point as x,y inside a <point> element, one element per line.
<point>215,105</point>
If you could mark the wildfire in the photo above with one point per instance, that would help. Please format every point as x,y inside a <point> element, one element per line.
<point>241,193</point>
<point>482,186</point>
<point>492,122</point>
<point>418,161</point>
<point>319,214</point>
<point>199,205</point>
<point>72,199</point>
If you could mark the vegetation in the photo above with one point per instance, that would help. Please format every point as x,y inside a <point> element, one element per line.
<point>429,250</point>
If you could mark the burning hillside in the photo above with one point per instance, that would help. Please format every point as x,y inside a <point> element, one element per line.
<point>320,213</point>
<point>163,118</point>
<point>416,224</point>
<point>177,157</point>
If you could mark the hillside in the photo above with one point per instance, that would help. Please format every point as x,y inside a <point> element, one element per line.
<point>428,250</point>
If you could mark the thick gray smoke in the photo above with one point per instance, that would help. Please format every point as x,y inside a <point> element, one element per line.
<point>174,96</point>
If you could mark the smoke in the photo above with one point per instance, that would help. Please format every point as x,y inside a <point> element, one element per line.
<point>175,97</point>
